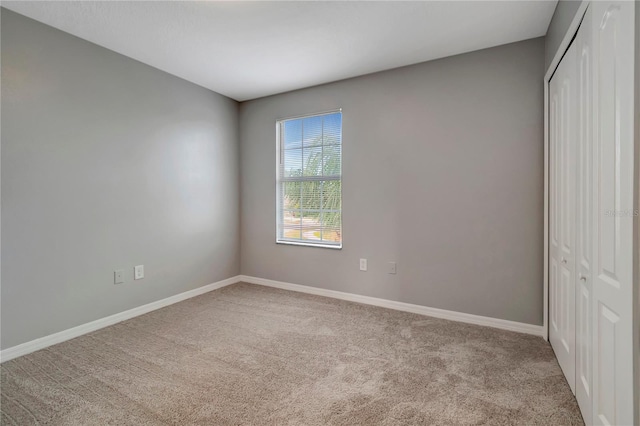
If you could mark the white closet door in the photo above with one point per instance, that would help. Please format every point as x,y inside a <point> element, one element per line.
<point>562,158</point>
<point>613,68</point>
<point>584,220</point>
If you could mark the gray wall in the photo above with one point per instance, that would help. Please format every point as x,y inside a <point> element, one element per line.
<point>443,173</point>
<point>107,163</point>
<point>562,18</point>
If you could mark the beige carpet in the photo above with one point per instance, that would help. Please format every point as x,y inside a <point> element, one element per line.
<point>246,354</point>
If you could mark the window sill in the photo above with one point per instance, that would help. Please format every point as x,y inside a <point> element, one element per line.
<point>297,243</point>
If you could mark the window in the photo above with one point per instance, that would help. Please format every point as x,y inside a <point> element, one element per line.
<point>309,186</point>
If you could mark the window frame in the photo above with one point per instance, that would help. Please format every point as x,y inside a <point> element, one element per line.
<point>279,210</point>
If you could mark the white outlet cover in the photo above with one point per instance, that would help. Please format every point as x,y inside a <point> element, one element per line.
<point>392,267</point>
<point>363,264</point>
<point>118,276</point>
<point>138,272</point>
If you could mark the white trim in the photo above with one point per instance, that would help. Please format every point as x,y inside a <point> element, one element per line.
<point>545,268</point>
<point>296,243</point>
<point>564,45</point>
<point>71,333</point>
<point>519,327</point>
<point>566,41</point>
<point>52,339</point>
<point>311,114</point>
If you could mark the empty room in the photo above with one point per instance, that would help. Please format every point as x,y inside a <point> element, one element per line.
<point>320,212</point>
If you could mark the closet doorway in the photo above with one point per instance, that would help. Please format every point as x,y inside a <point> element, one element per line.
<point>590,161</point>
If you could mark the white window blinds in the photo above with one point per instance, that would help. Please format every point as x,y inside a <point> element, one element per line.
<point>309,187</point>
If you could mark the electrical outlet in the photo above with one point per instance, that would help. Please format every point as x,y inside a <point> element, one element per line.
<point>138,272</point>
<point>363,264</point>
<point>118,276</point>
<point>392,268</point>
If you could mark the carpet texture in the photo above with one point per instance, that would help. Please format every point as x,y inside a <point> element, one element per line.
<point>247,354</point>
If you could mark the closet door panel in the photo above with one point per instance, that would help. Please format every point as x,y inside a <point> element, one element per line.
<point>613,67</point>
<point>584,221</point>
<point>554,213</point>
<point>562,218</point>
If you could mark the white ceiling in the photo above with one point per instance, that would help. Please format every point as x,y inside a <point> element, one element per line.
<point>247,50</point>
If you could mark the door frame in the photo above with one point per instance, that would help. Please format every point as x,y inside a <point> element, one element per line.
<point>564,45</point>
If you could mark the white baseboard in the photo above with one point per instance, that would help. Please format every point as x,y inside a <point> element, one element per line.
<point>52,339</point>
<point>519,327</point>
